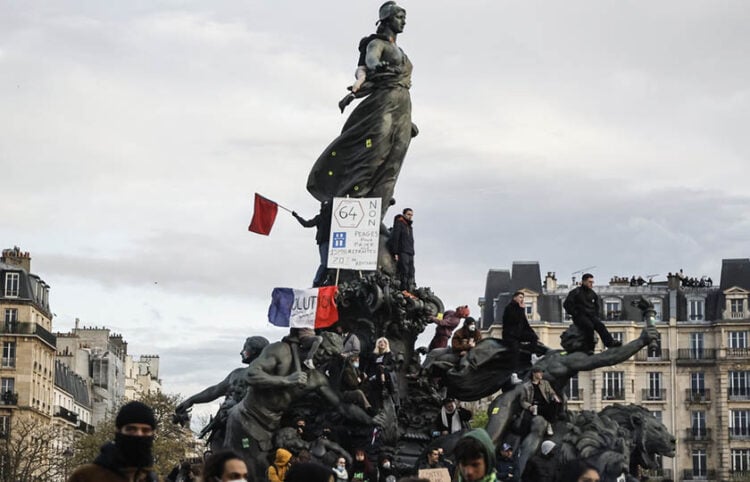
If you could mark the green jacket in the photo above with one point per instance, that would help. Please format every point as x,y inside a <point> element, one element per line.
<point>489,454</point>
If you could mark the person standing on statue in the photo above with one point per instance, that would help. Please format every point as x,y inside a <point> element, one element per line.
<point>322,223</point>
<point>365,160</point>
<point>516,330</point>
<point>583,304</point>
<point>401,244</point>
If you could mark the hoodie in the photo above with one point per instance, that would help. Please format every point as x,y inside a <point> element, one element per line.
<point>110,466</point>
<point>277,471</point>
<point>488,454</point>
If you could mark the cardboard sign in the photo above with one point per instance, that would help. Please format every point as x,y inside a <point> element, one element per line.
<point>355,234</point>
<point>435,475</point>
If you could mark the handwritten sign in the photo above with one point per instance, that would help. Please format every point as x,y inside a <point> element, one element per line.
<point>435,475</point>
<point>355,234</point>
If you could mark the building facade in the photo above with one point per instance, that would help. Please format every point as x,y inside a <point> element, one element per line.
<point>696,381</point>
<point>141,376</point>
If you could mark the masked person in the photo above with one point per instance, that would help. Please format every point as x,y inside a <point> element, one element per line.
<point>129,458</point>
<point>466,337</point>
<point>225,466</point>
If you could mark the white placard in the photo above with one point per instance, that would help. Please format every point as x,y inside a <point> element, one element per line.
<point>355,234</point>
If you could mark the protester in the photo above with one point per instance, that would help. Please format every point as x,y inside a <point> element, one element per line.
<point>354,384</point>
<point>543,465</point>
<point>432,460</point>
<point>340,470</point>
<point>539,398</point>
<point>583,304</point>
<point>445,326</point>
<point>386,470</point>
<point>452,417</point>
<point>362,467</point>
<point>322,223</point>
<point>380,374</point>
<point>475,456</point>
<point>309,472</point>
<point>516,330</point>
<point>277,471</point>
<point>507,469</point>
<point>579,471</point>
<point>401,244</point>
<point>130,456</point>
<point>225,466</point>
<point>466,337</point>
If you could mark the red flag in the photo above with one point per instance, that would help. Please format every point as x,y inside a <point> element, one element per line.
<point>264,215</point>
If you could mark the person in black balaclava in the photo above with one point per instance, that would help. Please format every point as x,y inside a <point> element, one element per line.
<point>129,458</point>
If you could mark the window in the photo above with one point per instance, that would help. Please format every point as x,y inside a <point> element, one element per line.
<point>657,415</point>
<point>654,386</point>
<point>696,345</point>
<point>617,336</point>
<point>574,392</point>
<point>699,463</point>
<point>737,339</point>
<point>658,307</point>
<point>11,318</point>
<point>613,386</point>
<point>4,425</point>
<point>9,354</point>
<point>739,423</point>
<point>740,460</point>
<point>698,382</point>
<point>698,423</point>
<point>612,309</point>
<point>7,385</point>
<point>696,308</point>
<point>11,284</point>
<point>529,310</point>
<point>739,385</point>
<point>735,307</point>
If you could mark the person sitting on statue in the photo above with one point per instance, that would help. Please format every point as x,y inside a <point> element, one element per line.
<point>452,417</point>
<point>466,337</point>
<point>380,373</point>
<point>322,223</point>
<point>539,398</point>
<point>516,330</point>
<point>308,342</point>
<point>446,322</point>
<point>354,384</point>
<point>583,304</point>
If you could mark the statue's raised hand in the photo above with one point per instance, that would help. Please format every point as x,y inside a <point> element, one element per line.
<point>649,334</point>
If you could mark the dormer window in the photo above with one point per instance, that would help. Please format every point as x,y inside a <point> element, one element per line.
<point>612,309</point>
<point>12,281</point>
<point>658,307</point>
<point>696,309</point>
<point>736,303</point>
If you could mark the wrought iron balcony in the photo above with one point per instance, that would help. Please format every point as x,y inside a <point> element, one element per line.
<point>652,356</point>
<point>738,352</point>
<point>696,434</point>
<point>693,474</point>
<point>648,394</point>
<point>696,355</point>
<point>66,414</point>
<point>18,328</point>
<point>698,396</point>
<point>85,427</point>
<point>738,393</point>
<point>657,474</point>
<point>9,398</point>
<point>613,394</point>
<point>739,433</point>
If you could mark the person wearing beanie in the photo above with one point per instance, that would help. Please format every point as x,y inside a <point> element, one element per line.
<point>466,337</point>
<point>129,458</point>
<point>475,456</point>
<point>542,467</point>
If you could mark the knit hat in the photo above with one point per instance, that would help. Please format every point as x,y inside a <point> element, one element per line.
<point>135,412</point>
<point>547,446</point>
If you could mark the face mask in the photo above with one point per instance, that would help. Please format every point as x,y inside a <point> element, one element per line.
<point>355,364</point>
<point>342,466</point>
<point>136,451</point>
<point>386,465</point>
<point>472,328</point>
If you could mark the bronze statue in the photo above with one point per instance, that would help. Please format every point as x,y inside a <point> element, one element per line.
<point>365,160</point>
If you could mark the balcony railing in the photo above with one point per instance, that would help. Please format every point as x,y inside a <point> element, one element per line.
<point>698,396</point>
<point>692,474</point>
<point>613,394</point>
<point>576,395</point>
<point>738,352</point>
<point>698,434</point>
<point>697,355</point>
<point>657,474</point>
<point>653,395</point>
<point>739,475</point>
<point>9,398</point>
<point>17,328</point>
<point>66,414</point>
<point>736,315</point>
<point>738,393</point>
<point>739,433</point>
<point>85,427</point>
<point>652,356</point>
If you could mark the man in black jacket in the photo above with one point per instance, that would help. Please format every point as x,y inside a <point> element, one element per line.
<point>401,245</point>
<point>322,223</point>
<point>516,330</point>
<point>583,304</point>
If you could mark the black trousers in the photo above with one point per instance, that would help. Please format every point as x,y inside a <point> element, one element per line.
<point>405,271</point>
<point>588,326</point>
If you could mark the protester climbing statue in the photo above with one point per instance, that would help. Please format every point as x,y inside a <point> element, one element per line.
<point>365,160</point>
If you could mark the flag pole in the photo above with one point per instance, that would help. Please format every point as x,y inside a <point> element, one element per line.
<point>277,204</point>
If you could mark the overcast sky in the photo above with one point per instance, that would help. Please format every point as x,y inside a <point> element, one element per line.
<point>581,133</point>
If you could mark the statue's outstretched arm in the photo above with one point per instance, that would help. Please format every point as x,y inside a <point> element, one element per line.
<point>207,395</point>
<point>614,355</point>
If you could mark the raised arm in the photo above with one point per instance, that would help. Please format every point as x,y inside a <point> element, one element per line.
<point>208,395</point>
<point>306,223</point>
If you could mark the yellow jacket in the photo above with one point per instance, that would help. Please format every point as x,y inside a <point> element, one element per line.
<point>277,471</point>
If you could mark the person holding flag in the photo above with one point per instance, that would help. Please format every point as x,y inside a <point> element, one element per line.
<point>322,223</point>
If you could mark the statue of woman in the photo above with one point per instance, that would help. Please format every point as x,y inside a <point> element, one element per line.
<point>364,161</point>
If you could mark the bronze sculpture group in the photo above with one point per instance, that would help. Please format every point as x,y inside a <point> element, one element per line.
<point>261,399</point>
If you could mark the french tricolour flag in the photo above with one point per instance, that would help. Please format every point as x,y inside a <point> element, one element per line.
<point>311,308</point>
